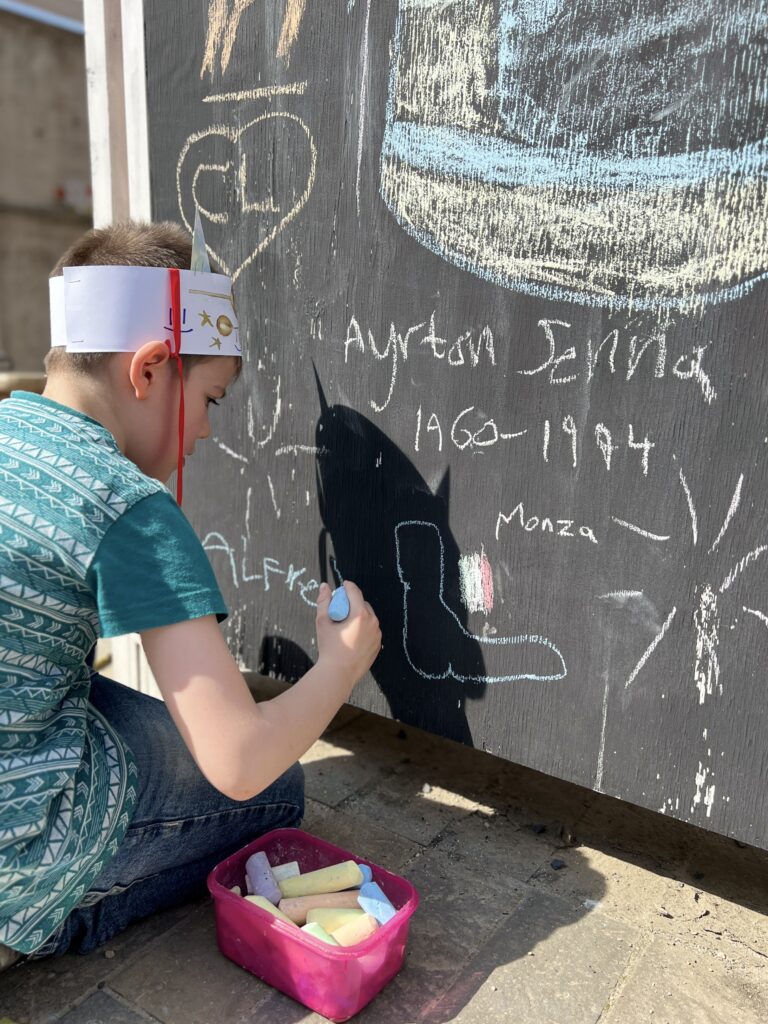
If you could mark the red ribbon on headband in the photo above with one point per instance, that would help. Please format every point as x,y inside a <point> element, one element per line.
<point>176,354</point>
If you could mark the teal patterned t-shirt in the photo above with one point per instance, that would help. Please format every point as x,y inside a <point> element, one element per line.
<point>67,781</point>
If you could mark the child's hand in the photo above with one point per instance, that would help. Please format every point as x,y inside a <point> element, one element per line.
<point>350,646</point>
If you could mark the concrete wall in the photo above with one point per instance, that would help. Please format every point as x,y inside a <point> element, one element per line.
<point>44,175</point>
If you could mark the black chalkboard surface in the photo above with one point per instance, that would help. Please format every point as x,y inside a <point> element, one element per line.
<point>499,267</point>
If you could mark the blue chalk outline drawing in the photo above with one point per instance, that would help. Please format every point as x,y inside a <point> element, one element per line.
<point>485,640</point>
<point>583,150</point>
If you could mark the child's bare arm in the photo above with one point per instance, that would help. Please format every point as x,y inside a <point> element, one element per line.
<point>240,746</point>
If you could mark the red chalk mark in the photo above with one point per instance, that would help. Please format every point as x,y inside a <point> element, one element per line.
<point>486,579</point>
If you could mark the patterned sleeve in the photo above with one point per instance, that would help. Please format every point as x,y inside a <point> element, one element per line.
<point>150,570</point>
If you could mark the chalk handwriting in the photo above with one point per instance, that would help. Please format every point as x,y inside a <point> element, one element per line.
<point>618,353</point>
<point>468,349</point>
<point>472,430</point>
<point>272,573</point>
<point>544,524</point>
<point>461,434</point>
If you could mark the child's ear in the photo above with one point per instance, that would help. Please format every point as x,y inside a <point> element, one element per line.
<point>146,364</point>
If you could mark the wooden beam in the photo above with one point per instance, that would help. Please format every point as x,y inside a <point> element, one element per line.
<point>106,110</point>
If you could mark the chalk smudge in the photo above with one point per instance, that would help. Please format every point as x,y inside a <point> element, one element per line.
<point>706,670</point>
<point>703,792</point>
<point>476,582</point>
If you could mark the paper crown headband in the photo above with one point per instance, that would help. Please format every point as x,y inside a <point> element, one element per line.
<point>118,309</point>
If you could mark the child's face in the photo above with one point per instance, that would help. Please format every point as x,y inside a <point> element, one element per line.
<point>205,385</point>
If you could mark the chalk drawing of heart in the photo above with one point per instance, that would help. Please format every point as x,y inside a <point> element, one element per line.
<point>232,135</point>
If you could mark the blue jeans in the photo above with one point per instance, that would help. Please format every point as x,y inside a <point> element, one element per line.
<point>181,829</point>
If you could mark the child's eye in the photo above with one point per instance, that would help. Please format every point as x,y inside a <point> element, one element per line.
<point>211,401</point>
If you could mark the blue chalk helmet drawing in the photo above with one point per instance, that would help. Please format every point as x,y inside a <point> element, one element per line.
<point>521,646</point>
<point>609,154</point>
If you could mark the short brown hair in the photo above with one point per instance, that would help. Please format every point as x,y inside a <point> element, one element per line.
<point>126,243</point>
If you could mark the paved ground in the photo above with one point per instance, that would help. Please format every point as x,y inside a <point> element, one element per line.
<point>648,921</point>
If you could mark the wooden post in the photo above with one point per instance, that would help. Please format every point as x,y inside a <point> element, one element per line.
<point>114,50</point>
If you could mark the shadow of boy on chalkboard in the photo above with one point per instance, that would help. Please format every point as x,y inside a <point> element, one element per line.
<point>390,533</point>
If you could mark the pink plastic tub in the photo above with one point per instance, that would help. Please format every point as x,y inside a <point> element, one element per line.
<point>335,981</point>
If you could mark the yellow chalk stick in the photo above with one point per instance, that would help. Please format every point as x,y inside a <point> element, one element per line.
<point>333,917</point>
<point>317,930</point>
<point>332,879</point>
<point>264,903</point>
<point>298,907</point>
<point>356,930</point>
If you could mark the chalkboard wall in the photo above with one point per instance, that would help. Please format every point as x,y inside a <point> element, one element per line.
<point>499,268</point>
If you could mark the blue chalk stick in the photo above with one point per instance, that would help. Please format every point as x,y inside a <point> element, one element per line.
<point>374,902</point>
<point>367,873</point>
<point>338,609</point>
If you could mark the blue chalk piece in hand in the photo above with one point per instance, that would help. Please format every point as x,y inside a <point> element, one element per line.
<point>367,873</point>
<point>374,902</point>
<point>338,609</point>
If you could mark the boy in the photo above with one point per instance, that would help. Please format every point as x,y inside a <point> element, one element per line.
<point>114,805</point>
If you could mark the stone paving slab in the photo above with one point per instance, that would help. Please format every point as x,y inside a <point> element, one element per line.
<point>629,887</point>
<point>428,813</point>
<point>101,1007</point>
<point>493,847</point>
<point>359,835</point>
<point>333,773</point>
<point>548,964</point>
<point>37,992</point>
<point>669,983</point>
<point>183,979</point>
<point>644,906</point>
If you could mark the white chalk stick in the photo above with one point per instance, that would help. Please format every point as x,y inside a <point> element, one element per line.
<point>288,870</point>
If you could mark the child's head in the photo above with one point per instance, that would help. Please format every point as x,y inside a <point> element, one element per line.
<point>141,388</point>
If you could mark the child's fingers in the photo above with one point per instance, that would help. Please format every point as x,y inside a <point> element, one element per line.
<point>323,598</point>
<point>355,596</point>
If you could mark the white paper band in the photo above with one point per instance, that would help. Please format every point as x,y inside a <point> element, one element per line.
<point>118,309</point>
